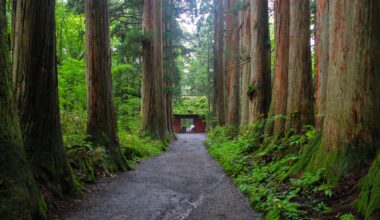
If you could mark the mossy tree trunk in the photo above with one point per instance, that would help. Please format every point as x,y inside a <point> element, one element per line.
<point>351,127</point>
<point>153,114</point>
<point>245,60</point>
<point>260,81</point>
<point>35,72</point>
<point>322,61</point>
<point>219,75</point>
<point>369,199</point>
<point>233,64</point>
<point>300,101</point>
<point>101,114</point>
<point>19,194</point>
<point>275,124</point>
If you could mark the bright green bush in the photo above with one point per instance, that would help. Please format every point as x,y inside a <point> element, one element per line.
<point>136,147</point>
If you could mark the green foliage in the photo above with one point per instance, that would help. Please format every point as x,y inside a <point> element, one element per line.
<point>137,147</point>
<point>262,171</point>
<point>70,33</point>
<point>85,159</point>
<point>348,216</point>
<point>191,105</point>
<point>72,85</point>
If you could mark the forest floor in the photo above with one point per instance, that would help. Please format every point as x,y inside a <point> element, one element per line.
<point>182,183</point>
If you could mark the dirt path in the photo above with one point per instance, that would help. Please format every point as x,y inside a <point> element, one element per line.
<point>182,183</point>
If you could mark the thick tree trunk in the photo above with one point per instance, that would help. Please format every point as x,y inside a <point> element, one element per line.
<point>322,53</point>
<point>153,114</point>
<point>219,81</point>
<point>260,82</point>
<point>300,102</point>
<point>275,124</point>
<point>35,73</point>
<point>233,64</point>
<point>101,115</point>
<point>19,195</point>
<point>351,126</point>
<point>245,58</point>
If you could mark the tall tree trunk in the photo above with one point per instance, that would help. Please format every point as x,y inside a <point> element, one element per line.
<point>233,64</point>
<point>245,57</point>
<point>275,124</point>
<point>351,127</point>
<point>168,64</point>
<point>19,195</point>
<point>153,114</point>
<point>322,53</point>
<point>101,115</point>
<point>300,102</point>
<point>35,72</point>
<point>260,82</point>
<point>219,81</point>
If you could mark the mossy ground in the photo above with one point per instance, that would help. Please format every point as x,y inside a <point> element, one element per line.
<point>288,184</point>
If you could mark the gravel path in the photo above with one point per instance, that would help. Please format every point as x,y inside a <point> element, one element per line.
<point>182,183</point>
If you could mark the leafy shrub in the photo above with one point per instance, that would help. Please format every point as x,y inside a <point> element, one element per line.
<point>86,160</point>
<point>135,147</point>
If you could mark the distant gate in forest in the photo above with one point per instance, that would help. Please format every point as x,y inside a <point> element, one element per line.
<point>183,121</point>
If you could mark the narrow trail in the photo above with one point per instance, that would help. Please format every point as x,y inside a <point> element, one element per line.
<point>182,183</point>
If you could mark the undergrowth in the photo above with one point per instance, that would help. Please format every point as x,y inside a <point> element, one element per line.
<point>269,173</point>
<point>89,161</point>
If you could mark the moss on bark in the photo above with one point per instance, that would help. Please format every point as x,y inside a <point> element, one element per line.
<point>36,85</point>
<point>337,162</point>
<point>369,199</point>
<point>19,195</point>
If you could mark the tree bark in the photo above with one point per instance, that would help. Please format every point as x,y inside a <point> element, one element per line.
<point>101,115</point>
<point>153,114</point>
<point>245,57</point>
<point>169,64</point>
<point>275,124</point>
<point>351,127</point>
<point>19,195</point>
<point>233,65</point>
<point>300,102</point>
<point>219,81</point>
<point>322,62</point>
<point>260,81</point>
<point>35,72</point>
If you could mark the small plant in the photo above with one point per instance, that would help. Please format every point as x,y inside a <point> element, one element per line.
<point>251,91</point>
<point>347,216</point>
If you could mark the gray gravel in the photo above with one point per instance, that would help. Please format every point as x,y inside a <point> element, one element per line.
<point>182,183</point>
